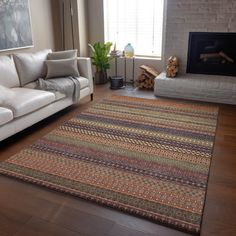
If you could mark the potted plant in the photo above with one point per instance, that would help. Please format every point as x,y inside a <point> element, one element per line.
<point>100,59</point>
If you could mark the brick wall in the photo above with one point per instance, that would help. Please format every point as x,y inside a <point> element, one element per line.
<point>184,16</point>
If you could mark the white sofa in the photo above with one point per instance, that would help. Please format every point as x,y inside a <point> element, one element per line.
<point>22,106</point>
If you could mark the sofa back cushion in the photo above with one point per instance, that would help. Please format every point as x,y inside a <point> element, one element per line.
<point>31,66</point>
<point>67,54</point>
<point>5,94</point>
<point>8,74</point>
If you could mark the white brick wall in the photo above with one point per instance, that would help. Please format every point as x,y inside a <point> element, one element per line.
<point>184,16</point>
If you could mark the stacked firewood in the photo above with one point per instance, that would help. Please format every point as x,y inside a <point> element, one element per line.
<point>146,78</point>
<point>172,67</point>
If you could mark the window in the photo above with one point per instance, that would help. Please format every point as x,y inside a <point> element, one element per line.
<point>139,22</point>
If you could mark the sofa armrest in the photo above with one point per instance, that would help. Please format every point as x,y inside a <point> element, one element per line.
<point>85,70</point>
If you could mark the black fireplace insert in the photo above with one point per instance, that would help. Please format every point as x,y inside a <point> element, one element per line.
<point>212,53</point>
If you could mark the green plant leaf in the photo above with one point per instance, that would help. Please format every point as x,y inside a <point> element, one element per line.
<point>100,55</point>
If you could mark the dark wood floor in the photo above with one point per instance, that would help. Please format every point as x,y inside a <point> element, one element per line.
<point>28,210</point>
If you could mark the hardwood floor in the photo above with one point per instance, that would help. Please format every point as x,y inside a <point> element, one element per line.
<point>27,210</point>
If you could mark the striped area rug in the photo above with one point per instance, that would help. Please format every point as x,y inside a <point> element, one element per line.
<point>146,157</point>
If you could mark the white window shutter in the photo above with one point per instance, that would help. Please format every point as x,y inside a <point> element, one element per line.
<point>139,22</point>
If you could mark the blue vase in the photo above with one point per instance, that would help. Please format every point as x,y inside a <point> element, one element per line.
<point>129,50</point>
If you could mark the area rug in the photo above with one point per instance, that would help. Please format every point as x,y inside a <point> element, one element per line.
<point>144,156</point>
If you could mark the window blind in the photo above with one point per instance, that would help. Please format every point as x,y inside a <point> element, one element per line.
<point>139,22</point>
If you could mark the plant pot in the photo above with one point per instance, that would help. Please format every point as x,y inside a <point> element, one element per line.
<point>100,77</point>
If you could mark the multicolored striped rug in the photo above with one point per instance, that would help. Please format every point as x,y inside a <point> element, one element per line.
<point>146,157</point>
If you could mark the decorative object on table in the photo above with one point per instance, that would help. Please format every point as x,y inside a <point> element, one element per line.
<point>15,27</point>
<point>133,154</point>
<point>146,78</point>
<point>172,67</point>
<point>115,53</point>
<point>101,60</point>
<point>129,50</point>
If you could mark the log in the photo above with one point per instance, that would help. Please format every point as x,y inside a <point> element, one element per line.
<point>149,75</point>
<point>173,60</point>
<point>226,57</point>
<point>217,57</point>
<point>172,67</point>
<point>146,78</point>
<point>149,70</point>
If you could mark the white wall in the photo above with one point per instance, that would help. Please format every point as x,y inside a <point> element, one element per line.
<point>42,24</point>
<point>184,16</point>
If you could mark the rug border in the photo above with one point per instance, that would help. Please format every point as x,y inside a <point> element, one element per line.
<point>208,176</point>
<point>95,202</point>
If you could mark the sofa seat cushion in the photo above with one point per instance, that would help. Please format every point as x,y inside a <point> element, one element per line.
<point>27,100</point>
<point>58,95</point>
<point>5,95</point>
<point>6,115</point>
<point>84,82</point>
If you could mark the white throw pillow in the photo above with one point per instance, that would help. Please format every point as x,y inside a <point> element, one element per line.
<point>62,68</point>
<point>31,66</point>
<point>68,54</point>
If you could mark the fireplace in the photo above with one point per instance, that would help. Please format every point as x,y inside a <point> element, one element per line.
<point>212,53</point>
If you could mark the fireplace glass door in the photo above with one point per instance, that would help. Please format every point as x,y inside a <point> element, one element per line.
<point>212,53</point>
